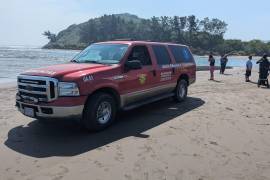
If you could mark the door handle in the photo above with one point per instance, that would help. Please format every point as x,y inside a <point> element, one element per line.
<point>154,72</point>
<point>173,70</point>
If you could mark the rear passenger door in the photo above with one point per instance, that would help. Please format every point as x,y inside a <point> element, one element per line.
<point>164,69</point>
<point>184,58</point>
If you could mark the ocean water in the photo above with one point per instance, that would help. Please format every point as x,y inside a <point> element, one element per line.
<point>16,59</point>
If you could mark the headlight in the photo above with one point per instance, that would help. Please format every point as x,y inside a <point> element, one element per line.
<point>68,89</point>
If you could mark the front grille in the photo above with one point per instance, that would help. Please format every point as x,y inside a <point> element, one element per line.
<point>37,88</point>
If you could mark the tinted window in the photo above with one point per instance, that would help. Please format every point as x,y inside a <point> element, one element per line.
<point>162,54</point>
<point>181,54</point>
<point>140,53</point>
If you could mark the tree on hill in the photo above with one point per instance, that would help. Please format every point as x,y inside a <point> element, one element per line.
<point>50,36</point>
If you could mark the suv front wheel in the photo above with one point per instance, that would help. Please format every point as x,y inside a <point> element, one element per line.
<point>181,91</point>
<point>99,112</point>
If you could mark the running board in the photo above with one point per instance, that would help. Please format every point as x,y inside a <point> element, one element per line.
<point>150,100</point>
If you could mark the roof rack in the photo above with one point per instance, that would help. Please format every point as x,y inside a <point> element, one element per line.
<point>132,39</point>
<point>125,39</point>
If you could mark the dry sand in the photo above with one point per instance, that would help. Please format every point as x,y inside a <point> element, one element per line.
<point>221,132</point>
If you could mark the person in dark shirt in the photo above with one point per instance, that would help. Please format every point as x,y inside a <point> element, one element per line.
<point>264,67</point>
<point>211,61</point>
<point>223,63</point>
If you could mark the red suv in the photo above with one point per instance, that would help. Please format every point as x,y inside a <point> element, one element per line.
<point>104,78</point>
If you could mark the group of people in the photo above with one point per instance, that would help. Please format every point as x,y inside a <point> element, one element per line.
<point>264,68</point>
<point>223,64</point>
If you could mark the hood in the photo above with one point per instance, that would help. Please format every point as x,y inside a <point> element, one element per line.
<point>64,69</point>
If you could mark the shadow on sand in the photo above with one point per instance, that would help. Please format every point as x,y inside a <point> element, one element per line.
<point>226,74</point>
<point>215,81</point>
<point>252,82</point>
<point>66,138</point>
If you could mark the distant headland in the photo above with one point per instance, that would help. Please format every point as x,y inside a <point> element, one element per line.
<point>203,36</point>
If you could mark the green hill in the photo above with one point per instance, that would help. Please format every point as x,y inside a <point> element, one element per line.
<point>202,35</point>
<point>79,36</point>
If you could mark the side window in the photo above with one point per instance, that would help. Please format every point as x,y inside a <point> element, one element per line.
<point>140,53</point>
<point>181,54</point>
<point>162,55</point>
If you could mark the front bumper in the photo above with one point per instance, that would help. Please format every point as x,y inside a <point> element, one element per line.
<point>52,112</point>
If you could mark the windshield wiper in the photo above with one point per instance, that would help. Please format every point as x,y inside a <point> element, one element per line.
<point>91,61</point>
<point>73,60</point>
<point>94,61</point>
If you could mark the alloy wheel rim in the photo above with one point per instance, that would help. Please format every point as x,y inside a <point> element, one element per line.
<point>104,112</point>
<point>182,91</point>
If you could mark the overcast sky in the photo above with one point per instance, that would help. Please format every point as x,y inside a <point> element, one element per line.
<point>22,22</point>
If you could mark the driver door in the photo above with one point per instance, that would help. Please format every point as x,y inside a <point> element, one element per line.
<point>138,82</point>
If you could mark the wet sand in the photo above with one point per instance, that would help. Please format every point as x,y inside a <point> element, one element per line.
<point>220,133</point>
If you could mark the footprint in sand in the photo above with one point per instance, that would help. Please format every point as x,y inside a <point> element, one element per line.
<point>60,174</point>
<point>137,167</point>
<point>119,157</point>
<point>127,176</point>
<point>245,153</point>
<point>99,164</point>
<point>160,174</point>
<point>64,170</point>
<point>229,109</point>
<point>213,143</point>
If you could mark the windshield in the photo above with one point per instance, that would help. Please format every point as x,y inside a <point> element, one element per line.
<point>102,53</point>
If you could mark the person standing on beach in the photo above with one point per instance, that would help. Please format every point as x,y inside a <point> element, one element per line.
<point>211,61</point>
<point>248,68</point>
<point>264,67</point>
<point>223,63</point>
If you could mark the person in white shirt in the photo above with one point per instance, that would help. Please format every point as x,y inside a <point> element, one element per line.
<point>248,68</point>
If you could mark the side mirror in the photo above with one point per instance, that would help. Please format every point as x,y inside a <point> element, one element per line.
<point>134,64</point>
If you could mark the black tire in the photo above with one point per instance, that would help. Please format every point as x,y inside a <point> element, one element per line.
<point>181,91</point>
<point>90,119</point>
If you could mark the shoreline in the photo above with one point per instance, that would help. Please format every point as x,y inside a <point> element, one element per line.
<point>13,82</point>
<point>9,84</point>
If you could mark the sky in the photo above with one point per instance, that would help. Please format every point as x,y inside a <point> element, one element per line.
<point>22,22</point>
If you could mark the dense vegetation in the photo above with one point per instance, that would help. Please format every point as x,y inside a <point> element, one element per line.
<point>203,36</point>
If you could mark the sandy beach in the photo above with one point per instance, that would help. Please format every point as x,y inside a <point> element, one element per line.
<point>220,133</point>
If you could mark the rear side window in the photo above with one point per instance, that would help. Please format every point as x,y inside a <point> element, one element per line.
<point>162,54</point>
<point>181,54</point>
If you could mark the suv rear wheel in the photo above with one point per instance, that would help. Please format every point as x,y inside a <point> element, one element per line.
<point>181,91</point>
<point>99,112</point>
